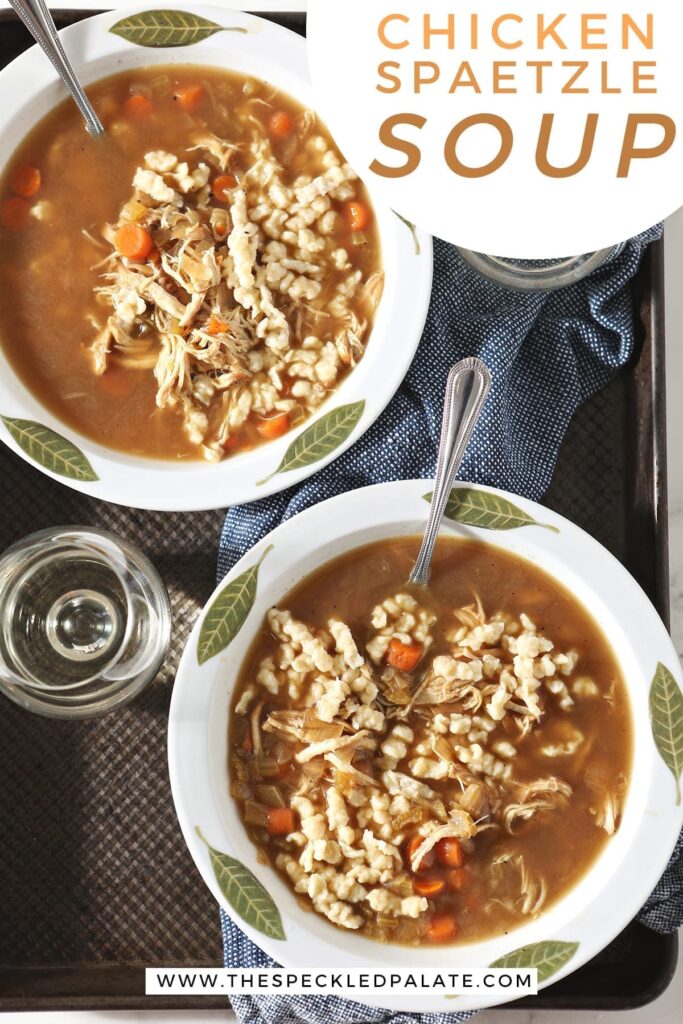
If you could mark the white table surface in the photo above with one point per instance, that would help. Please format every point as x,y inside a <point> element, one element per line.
<point>667,1010</point>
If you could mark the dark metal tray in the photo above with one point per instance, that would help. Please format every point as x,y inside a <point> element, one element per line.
<point>95,879</point>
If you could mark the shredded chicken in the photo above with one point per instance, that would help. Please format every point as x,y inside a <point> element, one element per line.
<point>396,761</point>
<point>532,890</point>
<point>606,814</point>
<point>347,768</point>
<point>541,795</point>
<point>246,309</point>
<point>459,826</point>
<point>327,746</point>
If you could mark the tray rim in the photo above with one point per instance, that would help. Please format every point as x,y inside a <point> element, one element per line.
<point>93,986</point>
<point>101,998</point>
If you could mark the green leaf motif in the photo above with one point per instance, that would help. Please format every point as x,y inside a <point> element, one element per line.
<point>228,613</point>
<point>50,450</point>
<point>547,957</point>
<point>320,439</point>
<point>245,894</point>
<point>167,28</point>
<point>666,717</point>
<point>472,507</point>
<point>413,230</point>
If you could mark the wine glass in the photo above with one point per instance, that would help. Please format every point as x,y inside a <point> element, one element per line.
<point>85,622</point>
<point>538,275</point>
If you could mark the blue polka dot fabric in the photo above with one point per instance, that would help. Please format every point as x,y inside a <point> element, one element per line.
<point>547,354</point>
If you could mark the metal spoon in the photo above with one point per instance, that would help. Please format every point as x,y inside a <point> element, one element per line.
<point>466,390</point>
<point>38,20</point>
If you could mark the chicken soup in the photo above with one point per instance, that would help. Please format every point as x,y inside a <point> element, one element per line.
<point>194,283</point>
<point>430,766</point>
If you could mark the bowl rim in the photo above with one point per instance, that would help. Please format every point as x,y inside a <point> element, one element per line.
<point>29,88</point>
<point>629,865</point>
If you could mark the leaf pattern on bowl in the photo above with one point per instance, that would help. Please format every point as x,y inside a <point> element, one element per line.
<point>473,507</point>
<point>320,439</point>
<point>245,894</point>
<point>547,957</point>
<point>168,28</point>
<point>666,718</point>
<point>228,613</point>
<point>50,450</point>
<point>413,230</point>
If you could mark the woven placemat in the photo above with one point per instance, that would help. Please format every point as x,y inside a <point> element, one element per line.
<point>94,868</point>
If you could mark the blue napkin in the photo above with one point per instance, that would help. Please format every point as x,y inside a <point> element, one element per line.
<point>547,354</point>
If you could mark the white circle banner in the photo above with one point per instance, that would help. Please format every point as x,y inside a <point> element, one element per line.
<point>527,129</point>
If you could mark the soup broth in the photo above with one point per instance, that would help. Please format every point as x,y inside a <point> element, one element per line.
<point>430,766</point>
<point>197,281</point>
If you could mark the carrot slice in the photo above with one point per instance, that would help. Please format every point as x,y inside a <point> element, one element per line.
<point>26,181</point>
<point>402,656</point>
<point>280,821</point>
<point>428,886</point>
<point>449,852</point>
<point>281,125</point>
<point>232,443</point>
<point>138,105</point>
<point>427,861</point>
<point>456,880</point>
<point>189,97</point>
<point>358,215</point>
<point>222,187</point>
<point>442,928</point>
<point>133,241</point>
<point>276,426</point>
<point>216,325</point>
<point>14,213</point>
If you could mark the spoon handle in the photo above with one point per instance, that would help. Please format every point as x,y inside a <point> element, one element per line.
<point>38,20</point>
<point>466,390</point>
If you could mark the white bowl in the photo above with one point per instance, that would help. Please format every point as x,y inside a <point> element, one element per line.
<point>617,884</point>
<point>29,88</point>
